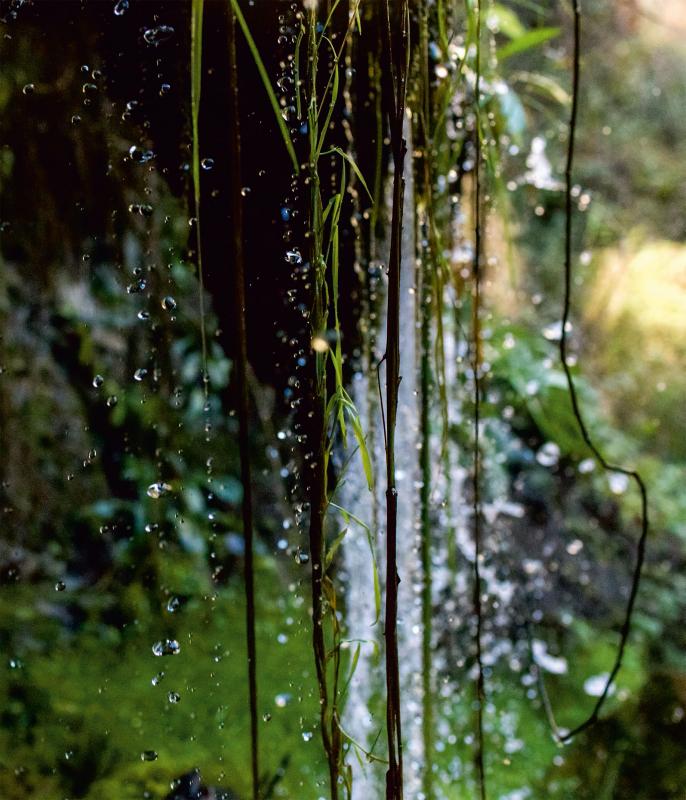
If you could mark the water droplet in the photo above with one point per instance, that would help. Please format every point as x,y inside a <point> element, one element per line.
<point>29,89</point>
<point>144,209</point>
<point>575,547</point>
<point>595,685</point>
<point>140,156</point>
<point>98,381</point>
<point>112,400</point>
<point>266,717</point>
<point>548,455</point>
<point>245,191</point>
<point>120,7</point>
<point>60,586</point>
<point>174,697</point>
<point>553,333</point>
<point>619,482</point>
<point>307,736</point>
<point>148,755</point>
<point>76,119</point>
<point>142,314</point>
<point>293,257</point>
<point>168,303</point>
<point>207,163</point>
<point>139,374</point>
<point>168,647</point>
<point>136,287</point>
<point>282,700</point>
<point>173,605</point>
<point>157,679</point>
<point>158,35</point>
<point>156,490</point>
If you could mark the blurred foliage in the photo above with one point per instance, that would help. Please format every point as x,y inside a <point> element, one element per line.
<point>89,560</point>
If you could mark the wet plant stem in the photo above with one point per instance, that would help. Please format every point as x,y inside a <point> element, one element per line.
<point>197,10</point>
<point>423,203</point>
<point>396,32</point>
<point>241,366</point>
<point>476,466</point>
<point>608,466</point>
<point>330,730</point>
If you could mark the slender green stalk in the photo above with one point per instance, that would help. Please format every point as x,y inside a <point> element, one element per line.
<point>476,467</point>
<point>242,391</point>
<point>196,85</point>
<point>330,730</point>
<point>264,77</point>
<point>423,204</point>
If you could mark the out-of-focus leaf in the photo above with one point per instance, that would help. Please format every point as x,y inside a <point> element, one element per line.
<point>504,20</point>
<point>527,41</point>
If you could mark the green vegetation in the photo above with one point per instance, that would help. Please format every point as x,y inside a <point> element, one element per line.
<point>283,293</point>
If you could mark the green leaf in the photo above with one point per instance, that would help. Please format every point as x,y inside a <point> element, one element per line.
<point>526,42</point>
<point>266,82</point>
<point>506,21</point>
<point>353,165</point>
<point>543,84</point>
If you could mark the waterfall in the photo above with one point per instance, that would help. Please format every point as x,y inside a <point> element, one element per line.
<point>360,719</point>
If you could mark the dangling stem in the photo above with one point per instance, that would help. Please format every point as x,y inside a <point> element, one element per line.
<point>397,54</point>
<point>578,415</point>
<point>317,429</point>
<point>427,264</point>
<point>476,467</point>
<point>196,85</point>
<point>242,390</point>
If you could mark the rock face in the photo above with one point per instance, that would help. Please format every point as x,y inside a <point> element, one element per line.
<point>190,787</point>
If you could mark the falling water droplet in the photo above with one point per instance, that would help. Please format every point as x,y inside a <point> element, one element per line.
<point>139,374</point>
<point>121,7</point>
<point>548,455</point>
<point>112,400</point>
<point>156,490</point>
<point>158,35</point>
<point>168,647</point>
<point>207,163</point>
<point>29,89</point>
<point>619,482</point>
<point>173,604</point>
<point>139,155</point>
<point>293,257</point>
<point>144,209</point>
<point>136,287</point>
<point>168,303</point>
<point>98,381</point>
<point>60,586</point>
